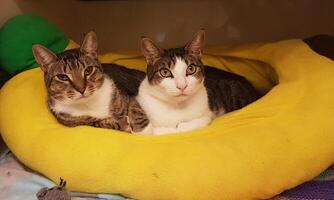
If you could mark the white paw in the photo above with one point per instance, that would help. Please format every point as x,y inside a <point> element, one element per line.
<point>185,126</point>
<point>164,130</point>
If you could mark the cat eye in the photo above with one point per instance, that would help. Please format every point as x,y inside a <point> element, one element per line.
<point>63,77</point>
<point>164,72</point>
<point>88,70</point>
<point>191,69</point>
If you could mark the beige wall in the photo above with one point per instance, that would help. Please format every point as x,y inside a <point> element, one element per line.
<point>8,8</point>
<point>119,24</point>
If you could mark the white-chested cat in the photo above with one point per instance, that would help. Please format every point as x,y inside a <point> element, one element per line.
<point>179,93</point>
<point>82,91</point>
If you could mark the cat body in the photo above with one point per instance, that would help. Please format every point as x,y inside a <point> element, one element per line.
<point>176,116</point>
<point>82,91</point>
<point>168,115</point>
<point>227,91</point>
<point>179,93</point>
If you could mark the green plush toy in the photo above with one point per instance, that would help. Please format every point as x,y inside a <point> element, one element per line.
<point>18,35</point>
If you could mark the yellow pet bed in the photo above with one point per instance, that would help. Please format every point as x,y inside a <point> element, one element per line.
<point>278,142</point>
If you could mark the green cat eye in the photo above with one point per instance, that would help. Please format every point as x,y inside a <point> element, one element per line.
<point>164,72</point>
<point>63,77</point>
<point>88,70</point>
<point>191,69</point>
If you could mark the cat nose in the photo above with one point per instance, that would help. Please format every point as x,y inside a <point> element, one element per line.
<point>182,87</point>
<point>82,90</point>
<point>79,85</point>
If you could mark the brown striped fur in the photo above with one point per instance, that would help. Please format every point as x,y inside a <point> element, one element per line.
<point>73,75</point>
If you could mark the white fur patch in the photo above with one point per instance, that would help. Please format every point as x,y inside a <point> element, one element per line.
<point>176,104</point>
<point>96,105</point>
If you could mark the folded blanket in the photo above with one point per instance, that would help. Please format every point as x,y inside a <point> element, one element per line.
<point>18,182</point>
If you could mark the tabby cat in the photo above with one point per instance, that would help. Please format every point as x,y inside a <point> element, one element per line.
<point>82,91</point>
<point>179,93</point>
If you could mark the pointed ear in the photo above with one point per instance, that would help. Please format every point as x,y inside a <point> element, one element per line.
<point>89,45</point>
<point>44,57</point>
<point>150,50</point>
<point>196,45</point>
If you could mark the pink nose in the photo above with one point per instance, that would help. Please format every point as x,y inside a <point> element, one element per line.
<point>182,87</point>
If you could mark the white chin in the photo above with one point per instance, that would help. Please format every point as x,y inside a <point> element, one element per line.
<point>181,97</point>
<point>76,100</point>
<point>70,101</point>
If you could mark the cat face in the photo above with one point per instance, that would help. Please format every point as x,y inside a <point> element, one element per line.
<point>74,75</point>
<point>177,73</point>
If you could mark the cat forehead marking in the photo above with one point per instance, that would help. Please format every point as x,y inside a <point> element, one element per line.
<point>180,66</point>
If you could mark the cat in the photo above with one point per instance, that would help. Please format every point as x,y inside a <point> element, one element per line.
<point>180,94</point>
<point>82,91</point>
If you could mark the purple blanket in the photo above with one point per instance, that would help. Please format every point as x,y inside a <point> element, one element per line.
<point>321,188</point>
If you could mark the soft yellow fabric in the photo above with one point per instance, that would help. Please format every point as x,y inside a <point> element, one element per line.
<point>283,139</point>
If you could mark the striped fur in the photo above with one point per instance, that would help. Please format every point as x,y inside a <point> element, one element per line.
<point>82,91</point>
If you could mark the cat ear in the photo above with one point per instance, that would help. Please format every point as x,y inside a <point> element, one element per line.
<point>43,56</point>
<point>150,50</point>
<point>89,45</point>
<point>196,45</point>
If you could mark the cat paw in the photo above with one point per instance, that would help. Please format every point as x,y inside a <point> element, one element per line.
<point>194,124</point>
<point>185,126</point>
<point>164,130</point>
<point>119,124</point>
<point>148,130</point>
<point>110,124</point>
